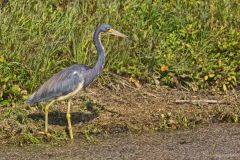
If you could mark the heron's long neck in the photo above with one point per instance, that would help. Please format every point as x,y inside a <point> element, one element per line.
<point>98,67</point>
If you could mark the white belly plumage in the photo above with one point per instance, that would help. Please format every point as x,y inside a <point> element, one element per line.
<point>80,86</point>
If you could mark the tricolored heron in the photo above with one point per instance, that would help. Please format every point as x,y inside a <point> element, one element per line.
<point>73,79</point>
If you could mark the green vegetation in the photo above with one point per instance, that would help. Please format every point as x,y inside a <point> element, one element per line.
<point>194,44</point>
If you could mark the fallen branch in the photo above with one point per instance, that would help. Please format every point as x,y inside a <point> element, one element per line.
<point>202,101</point>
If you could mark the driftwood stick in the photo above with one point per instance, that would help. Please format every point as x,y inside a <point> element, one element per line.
<point>201,101</point>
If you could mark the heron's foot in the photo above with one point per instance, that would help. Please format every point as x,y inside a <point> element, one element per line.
<point>45,133</point>
<point>70,132</point>
<point>71,135</point>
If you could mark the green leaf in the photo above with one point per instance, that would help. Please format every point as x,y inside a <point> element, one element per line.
<point>224,87</point>
<point>16,88</point>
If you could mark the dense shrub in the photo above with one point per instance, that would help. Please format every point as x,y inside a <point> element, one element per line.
<point>193,44</point>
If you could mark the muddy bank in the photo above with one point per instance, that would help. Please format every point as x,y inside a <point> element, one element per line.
<point>120,109</point>
<point>217,141</point>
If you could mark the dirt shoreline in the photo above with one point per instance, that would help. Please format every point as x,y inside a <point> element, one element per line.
<point>216,141</point>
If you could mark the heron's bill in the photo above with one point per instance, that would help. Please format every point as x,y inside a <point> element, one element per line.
<point>116,33</point>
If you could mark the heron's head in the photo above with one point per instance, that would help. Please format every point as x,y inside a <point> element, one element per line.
<point>108,29</point>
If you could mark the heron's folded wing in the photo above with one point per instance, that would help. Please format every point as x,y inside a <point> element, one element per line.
<point>60,84</point>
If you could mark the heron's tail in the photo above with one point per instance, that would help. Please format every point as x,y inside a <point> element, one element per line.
<point>31,99</point>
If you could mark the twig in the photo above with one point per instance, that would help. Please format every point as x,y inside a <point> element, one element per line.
<point>202,101</point>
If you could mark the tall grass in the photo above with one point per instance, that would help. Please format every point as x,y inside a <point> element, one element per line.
<point>195,44</point>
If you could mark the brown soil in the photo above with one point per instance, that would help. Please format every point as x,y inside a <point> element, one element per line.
<point>211,142</point>
<point>146,108</point>
<point>129,109</point>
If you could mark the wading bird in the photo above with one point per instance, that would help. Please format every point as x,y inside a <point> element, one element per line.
<point>73,79</point>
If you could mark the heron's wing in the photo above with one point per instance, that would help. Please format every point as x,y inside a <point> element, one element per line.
<point>60,84</point>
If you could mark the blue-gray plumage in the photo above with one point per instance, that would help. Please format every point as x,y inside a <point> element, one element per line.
<point>60,84</point>
<point>73,79</point>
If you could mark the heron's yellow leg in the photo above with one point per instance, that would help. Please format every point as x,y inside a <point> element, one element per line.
<point>46,118</point>
<point>69,120</point>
